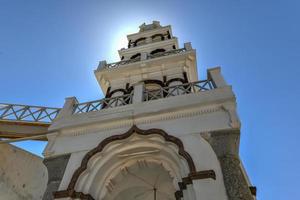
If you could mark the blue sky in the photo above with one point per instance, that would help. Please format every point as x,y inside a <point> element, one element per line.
<point>49,49</point>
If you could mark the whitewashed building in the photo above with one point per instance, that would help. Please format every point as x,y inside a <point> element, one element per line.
<point>159,133</point>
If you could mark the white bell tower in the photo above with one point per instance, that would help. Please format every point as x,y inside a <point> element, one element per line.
<point>159,133</point>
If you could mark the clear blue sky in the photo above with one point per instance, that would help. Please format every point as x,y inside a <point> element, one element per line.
<point>49,49</point>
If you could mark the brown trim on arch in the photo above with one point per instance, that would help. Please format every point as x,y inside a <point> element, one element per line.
<point>138,40</point>
<point>157,51</point>
<point>110,93</point>
<point>72,194</point>
<point>125,91</point>
<point>158,35</point>
<point>175,79</point>
<point>134,129</point>
<point>154,81</point>
<point>199,175</point>
<point>189,180</point>
<point>135,56</point>
<point>182,80</point>
<point>116,90</point>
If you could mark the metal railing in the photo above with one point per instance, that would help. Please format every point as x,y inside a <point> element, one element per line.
<point>17,112</point>
<point>122,62</point>
<point>103,104</point>
<point>166,53</point>
<point>125,62</point>
<point>186,88</point>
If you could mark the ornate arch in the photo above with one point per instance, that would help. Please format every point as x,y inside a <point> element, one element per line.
<point>193,174</point>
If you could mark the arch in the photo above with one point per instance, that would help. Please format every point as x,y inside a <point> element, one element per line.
<point>70,192</point>
<point>157,37</point>
<point>135,56</point>
<point>150,171</point>
<point>176,80</point>
<point>140,41</point>
<point>154,81</point>
<point>157,51</point>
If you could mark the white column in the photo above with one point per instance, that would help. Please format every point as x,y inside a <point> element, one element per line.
<point>138,93</point>
<point>215,75</point>
<point>68,107</point>
<point>144,56</point>
<point>188,46</point>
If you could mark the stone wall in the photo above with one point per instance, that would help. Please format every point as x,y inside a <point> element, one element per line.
<point>23,175</point>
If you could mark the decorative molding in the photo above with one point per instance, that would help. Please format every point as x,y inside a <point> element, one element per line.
<point>177,115</point>
<point>70,192</point>
<point>49,148</point>
<point>234,119</point>
<point>145,120</point>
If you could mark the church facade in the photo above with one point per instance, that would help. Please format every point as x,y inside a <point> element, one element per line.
<point>160,133</point>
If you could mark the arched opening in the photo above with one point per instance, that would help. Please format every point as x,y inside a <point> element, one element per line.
<point>143,180</point>
<point>136,56</point>
<point>153,89</point>
<point>157,37</point>
<point>157,51</point>
<point>140,41</point>
<point>137,164</point>
<point>117,97</point>
<point>176,87</point>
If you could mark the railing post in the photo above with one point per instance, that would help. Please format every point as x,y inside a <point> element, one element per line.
<point>68,107</point>
<point>188,46</point>
<point>216,77</point>
<point>144,56</point>
<point>102,64</point>
<point>138,93</point>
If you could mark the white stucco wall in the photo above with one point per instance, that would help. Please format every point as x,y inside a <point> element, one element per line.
<point>184,117</point>
<point>23,176</point>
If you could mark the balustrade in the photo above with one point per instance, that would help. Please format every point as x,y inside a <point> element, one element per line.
<point>17,112</point>
<point>125,62</point>
<point>176,90</point>
<point>103,104</point>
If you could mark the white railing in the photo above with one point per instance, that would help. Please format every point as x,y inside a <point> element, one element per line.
<point>166,53</point>
<point>176,90</point>
<point>103,104</point>
<point>125,62</point>
<point>17,112</point>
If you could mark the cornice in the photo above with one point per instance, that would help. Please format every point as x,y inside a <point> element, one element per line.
<point>139,120</point>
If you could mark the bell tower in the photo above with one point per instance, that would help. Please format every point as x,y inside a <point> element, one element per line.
<point>153,56</point>
<point>159,133</point>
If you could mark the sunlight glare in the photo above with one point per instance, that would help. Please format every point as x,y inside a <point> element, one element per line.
<point>119,40</point>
